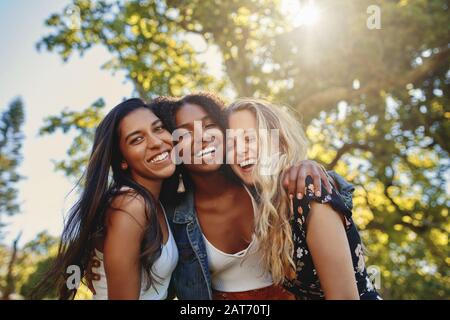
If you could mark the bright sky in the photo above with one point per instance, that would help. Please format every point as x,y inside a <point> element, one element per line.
<point>47,85</point>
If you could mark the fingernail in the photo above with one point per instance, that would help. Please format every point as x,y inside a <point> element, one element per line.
<point>299,196</point>
<point>291,196</point>
<point>317,193</point>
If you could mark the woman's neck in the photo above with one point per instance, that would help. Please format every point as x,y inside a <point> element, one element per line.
<point>210,184</point>
<point>152,185</point>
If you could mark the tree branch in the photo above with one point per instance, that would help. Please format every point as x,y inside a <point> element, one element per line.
<point>344,149</point>
<point>10,281</point>
<point>326,100</point>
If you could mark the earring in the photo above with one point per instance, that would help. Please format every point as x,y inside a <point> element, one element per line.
<point>181,188</point>
<point>124,166</point>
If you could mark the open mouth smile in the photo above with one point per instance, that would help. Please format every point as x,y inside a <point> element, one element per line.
<point>247,165</point>
<point>159,157</point>
<point>205,152</point>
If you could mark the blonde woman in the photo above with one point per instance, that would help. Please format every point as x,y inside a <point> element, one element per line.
<point>310,244</point>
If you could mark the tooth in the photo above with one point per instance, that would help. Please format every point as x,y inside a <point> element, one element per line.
<point>160,157</point>
<point>205,151</point>
<point>247,162</point>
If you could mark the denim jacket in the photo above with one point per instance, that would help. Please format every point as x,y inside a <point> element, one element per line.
<point>191,279</point>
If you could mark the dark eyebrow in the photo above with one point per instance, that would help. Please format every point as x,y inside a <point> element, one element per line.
<point>139,131</point>
<point>184,125</point>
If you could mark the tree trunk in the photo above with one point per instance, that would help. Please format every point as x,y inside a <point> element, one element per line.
<point>10,281</point>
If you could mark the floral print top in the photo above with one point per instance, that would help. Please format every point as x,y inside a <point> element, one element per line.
<point>306,286</point>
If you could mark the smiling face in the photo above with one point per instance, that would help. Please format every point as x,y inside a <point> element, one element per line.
<point>145,146</point>
<point>243,144</point>
<point>200,139</point>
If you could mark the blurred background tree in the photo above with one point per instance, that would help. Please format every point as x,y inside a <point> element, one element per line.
<point>375,103</point>
<point>29,260</point>
<point>38,255</point>
<point>11,138</point>
<point>32,260</point>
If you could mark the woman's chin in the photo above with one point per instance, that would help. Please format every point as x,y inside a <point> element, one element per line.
<point>245,175</point>
<point>165,172</point>
<point>203,168</point>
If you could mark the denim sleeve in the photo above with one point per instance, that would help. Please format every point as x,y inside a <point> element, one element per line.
<point>171,295</point>
<point>344,188</point>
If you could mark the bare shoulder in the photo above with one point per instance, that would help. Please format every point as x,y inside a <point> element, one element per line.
<point>127,209</point>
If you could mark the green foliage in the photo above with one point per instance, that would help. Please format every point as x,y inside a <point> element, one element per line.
<point>34,279</point>
<point>375,102</point>
<point>33,260</point>
<point>84,124</point>
<point>143,39</point>
<point>11,137</point>
<point>4,260</point>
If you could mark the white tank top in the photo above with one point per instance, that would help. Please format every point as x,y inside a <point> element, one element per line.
<point>241,271</point>
<point>163,268</point>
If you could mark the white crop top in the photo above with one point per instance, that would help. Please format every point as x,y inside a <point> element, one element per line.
<point>241,271</point>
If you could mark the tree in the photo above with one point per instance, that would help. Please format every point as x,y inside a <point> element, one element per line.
<point>375,102</point>
<point>23,266</point>
<point>11,138</point>
<point>8,288</point>
<point>36,259</point>
<point>5,256</point>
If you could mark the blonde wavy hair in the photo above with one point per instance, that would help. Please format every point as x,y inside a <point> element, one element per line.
<point>272,225</point>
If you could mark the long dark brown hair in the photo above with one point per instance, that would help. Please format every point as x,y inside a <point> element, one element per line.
<point>102,180</point>
<point>165,108</point>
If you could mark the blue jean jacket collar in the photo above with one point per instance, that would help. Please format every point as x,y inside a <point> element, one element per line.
<point>184,212</point>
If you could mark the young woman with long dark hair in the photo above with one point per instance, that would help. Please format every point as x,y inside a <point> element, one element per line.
<point>118,215</point>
